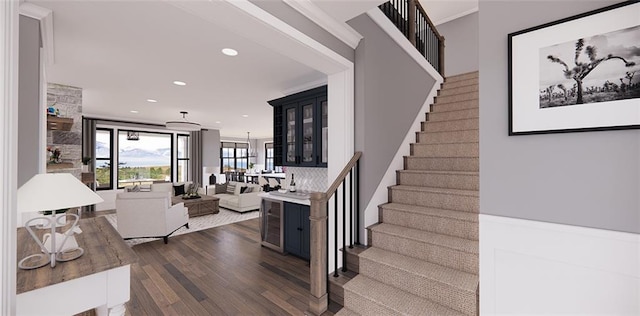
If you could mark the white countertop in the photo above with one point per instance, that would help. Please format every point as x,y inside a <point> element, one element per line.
<point>284,198</point>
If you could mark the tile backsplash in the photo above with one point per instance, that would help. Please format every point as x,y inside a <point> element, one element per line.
<point>309,179</point>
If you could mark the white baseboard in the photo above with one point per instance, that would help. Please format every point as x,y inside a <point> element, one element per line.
<point>530,267</point>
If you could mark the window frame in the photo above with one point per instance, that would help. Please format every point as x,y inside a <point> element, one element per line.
<point>188,155</point>
<point>171,142</point>
<point>110,159</point>
<point>268,158</point>
<point>235,156</point>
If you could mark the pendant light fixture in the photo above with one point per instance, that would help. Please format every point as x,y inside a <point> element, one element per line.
<point>250,152</point>
<point>131,135</point>
<point>183,125</point>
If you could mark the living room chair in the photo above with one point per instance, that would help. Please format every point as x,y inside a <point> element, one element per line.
<point>149,214</point>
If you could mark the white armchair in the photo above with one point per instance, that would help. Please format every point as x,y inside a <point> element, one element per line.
<point>149,214</point>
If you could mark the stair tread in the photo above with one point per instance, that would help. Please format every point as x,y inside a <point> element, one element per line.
<point>346,312</point>
<point>461,130</point>
<point>455,243</point>
<point>474,193</point>
<point>356,250</point>
<point>459,173</point>
<point>437,212</point>
<point>342,278</point>
<point>452,121</point>
<point>393,298</point>
<point>459,279</point>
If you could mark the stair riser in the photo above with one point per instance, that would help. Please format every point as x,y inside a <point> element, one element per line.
<point>443,294</point>
<point>441,164</point>
<point>470,136</point>
<point>445,150</point>
<point>336,295</point>
<point>455,106</point>
<point>447,181</point>
<point>364,306</point>
<point>353,262</point>
<point>447,90</point>
<point>462,77</point>
<point>457,98</point>
<point>459,83</point>
<point>440,225</point>
<point>435,200</point>
<point>443,256</point>
<point>452,115</point>
<point>446,126</point>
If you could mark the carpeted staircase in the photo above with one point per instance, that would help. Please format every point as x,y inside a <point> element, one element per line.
<point>423,258</point>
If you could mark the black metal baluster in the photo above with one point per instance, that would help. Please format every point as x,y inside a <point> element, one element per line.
<point>344,225</point>
<point>357,202</point>
<point>335,233</point>
<point>351,211</point>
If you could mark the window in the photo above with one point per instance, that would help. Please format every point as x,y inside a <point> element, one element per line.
<point>183,158</point>
<point>234,156</point>
<point>145,160</point>
<point>268,156</point>
<point>104,161</point>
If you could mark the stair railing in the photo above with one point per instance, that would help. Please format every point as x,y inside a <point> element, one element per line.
<point>320,217</point>
<point>412,20</point>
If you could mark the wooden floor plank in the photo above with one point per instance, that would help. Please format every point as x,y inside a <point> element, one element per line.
<point>218,271</point>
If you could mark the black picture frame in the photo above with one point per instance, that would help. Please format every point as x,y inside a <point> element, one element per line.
<point>557,70</point>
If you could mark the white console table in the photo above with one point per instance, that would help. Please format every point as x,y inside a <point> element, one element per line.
<point>98,279</point>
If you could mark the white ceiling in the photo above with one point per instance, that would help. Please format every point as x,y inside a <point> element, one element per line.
<point>122,53</point>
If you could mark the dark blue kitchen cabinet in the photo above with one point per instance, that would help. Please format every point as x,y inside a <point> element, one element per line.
<point>297,229</point>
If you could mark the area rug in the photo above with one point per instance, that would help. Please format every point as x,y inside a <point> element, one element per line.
<point>195,223</point>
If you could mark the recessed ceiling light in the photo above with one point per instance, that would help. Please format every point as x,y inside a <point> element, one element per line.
<point>229,51</point>
<point>245,115</point>
<point>152,100</point>
<point>133,111</point>
<point>218,122</point>
<point>179,83</point>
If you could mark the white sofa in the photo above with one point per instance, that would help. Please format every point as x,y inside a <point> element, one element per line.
<point>149,214</point>
<point>168,187</point>
<point>238,202</point>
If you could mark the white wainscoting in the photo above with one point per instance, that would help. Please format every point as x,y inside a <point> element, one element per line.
<point>530,267</point>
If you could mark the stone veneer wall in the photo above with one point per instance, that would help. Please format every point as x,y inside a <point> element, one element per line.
<point>309,179</point>
<point>69,101</point>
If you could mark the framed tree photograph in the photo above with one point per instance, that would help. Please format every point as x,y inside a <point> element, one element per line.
<point>577,74</point>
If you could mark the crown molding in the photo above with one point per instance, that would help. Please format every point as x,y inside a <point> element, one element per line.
<point>338,29</point>
<point>455,16</point>
<point>45,16</point>
<point>306,86</point>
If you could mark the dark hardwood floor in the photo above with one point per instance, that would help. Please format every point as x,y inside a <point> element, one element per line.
<point>218,271</point>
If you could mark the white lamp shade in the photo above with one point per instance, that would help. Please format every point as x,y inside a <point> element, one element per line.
<point>54,191</point>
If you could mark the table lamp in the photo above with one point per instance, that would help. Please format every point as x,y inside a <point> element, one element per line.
<point>51,192</point>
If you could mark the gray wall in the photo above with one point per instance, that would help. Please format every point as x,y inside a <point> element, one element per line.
<point>587,179</point>
<point>29,100</point>
<point>390,90</point>
<point>211,149</point>
<point>461,44</point>
<point>294,18</point>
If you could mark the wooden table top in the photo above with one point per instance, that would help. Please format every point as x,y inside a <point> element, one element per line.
<point>103,247</point>
<point>179,199</point>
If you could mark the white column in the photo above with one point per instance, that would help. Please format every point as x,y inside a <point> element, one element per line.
<point>8,157</point>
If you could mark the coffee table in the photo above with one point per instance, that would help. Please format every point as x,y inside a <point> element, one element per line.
<point>197,207</point>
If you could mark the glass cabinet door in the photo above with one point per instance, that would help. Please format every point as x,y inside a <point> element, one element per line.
<point>324,130</point>
<point>307,133</point>
<point>290,134</point>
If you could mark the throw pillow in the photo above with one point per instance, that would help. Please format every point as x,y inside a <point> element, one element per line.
<point>178,190</point>
<point>221,188</point>
<point>231,188</point>
<point>245,190</point>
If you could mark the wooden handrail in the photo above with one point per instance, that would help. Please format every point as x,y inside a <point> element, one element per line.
<point>318,217</point>
<point>345,171</point>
